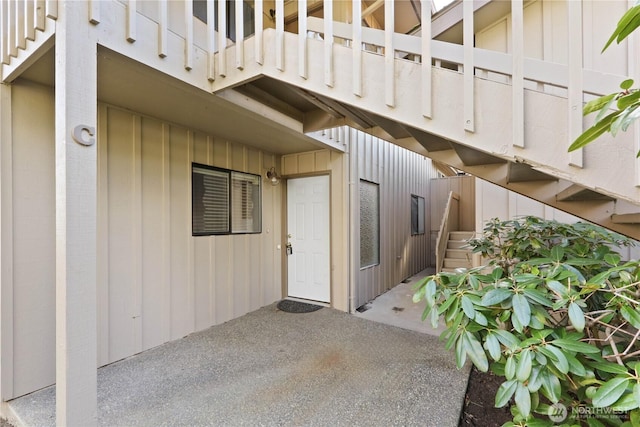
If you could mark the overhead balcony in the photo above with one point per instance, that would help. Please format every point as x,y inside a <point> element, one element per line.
<point>505,117</point>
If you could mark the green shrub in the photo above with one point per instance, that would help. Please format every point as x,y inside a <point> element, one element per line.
<point>555,312</point>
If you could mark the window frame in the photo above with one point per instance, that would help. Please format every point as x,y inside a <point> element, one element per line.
<point>229,199</point>
<point>416,231</point>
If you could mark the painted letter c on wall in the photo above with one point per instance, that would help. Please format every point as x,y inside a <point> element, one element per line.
<point>79,137</point>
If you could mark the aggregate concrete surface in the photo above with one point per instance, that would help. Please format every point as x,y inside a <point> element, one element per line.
<point>271,368</point>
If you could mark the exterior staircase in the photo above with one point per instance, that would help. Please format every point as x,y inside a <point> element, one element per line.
<point>458,254</point>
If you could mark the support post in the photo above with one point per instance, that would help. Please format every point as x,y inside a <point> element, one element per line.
<point>76,198</point>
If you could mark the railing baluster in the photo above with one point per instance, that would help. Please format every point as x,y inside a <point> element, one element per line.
<point>20,27</point>
<point>280,35</point>
<point>517,75</point>
<point>131,21</point>
<point>575,96</point>
<point>4,39</point>
<point>222,38</point>
<point>94,11</point>
<point>633,45</point>
<point>259,30</point>
<point>163,29</point>
<point>188,39</point>
<point>52,9</point>
<point>389,54</point>
<point>467,29</point>
<point>12,16</point>
<point>302,38</point>
<point>211,40</point>
<point>426,59</point>
<point>356,47</point>
<point>328,43</point>
<point>29,22</point>
<point>239,34</point>
<point>39,15</point>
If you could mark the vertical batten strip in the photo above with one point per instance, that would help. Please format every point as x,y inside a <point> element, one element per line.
<point>52,9</point>
<point>356,47</point>
<point>188,39</point>
<point>575,97</point>
<point>259,54</point>
<point>280,35</point>
<point>20,27</point>
<point>136,238</point>
<point>39,15</point>
<point>162,29</point>
<point>517,75</point>
<point>94,11</point>
<point>131,21</point>
<point>389,54</point>
<point>222,38</point>
<point>29,21</point>
<point>302,38</point>
<point>469,102</point>
<point>211,40</point>
<point>426,59</point>
<point>239,34</point>
<point>328,43</point>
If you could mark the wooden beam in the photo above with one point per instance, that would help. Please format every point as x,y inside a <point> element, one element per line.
<point>575,88</point>
<point>517,75</point>
<point>426,59</point>
<point>468,47</point>
<point>630,218</point>
<point>389,55</point>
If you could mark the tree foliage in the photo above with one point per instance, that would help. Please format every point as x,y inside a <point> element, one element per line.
<point>556,312</point>
<point>616,111</point>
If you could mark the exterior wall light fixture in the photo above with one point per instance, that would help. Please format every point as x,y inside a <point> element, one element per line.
<point>272,176</point>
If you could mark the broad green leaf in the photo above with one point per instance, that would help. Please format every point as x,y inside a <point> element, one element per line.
<point>623,120</point>
<point>627,84</point>
<point>467,307</point>
<point>626,403</point>
<point>507,339</point>
<point>594,131</point>
<point>610,392</point>
<point>631,315</point>
<point>430,292</point>
<point>623,24</point>
<point>495,296</point>
<point>628,100</point>
<point>510,368</point>
<point>612,259</point>
<point>612,368</point>
<point>447,304</point>
<point>461,352</point>
<point>475,352</point>
<point>434,319</point>
<point>493,346</point>
<point>537,297</point>
<point>635,22</point>
<point>481,319</point>
<point>504,393</point>
<point>558,288</point>
<point>557,253</point>
<point>593,422</point>
<point>575,367</point>
<point>521,309</point>
<point>426,312</point>
<point>598,104</point>
<point>523,400</point>
<point>576,346</point>
<point>535,380</point>
<point>576,316</point>
<point>636,393</point>
<point>556,356</point>
<point>523,371</point>
<point>551,386</point>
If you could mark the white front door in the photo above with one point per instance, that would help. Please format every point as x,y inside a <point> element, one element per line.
<point>308,230</point>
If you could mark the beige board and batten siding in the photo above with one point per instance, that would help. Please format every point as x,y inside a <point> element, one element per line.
<point>332,163</point>
<point>156,282</point>
<point>399,173</point>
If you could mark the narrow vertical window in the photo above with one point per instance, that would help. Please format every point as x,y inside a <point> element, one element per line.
<point>417,214</point>
<point>369,224</point>
<point>245,200</point>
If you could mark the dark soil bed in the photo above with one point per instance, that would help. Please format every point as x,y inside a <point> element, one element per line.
<point>478,409</point>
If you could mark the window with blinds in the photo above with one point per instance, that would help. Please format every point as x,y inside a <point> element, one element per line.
<point>224,201</point>
<point>417,214</point>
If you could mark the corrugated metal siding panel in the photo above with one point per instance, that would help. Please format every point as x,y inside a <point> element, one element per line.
<point>400,173</point>
<point>161,282</point>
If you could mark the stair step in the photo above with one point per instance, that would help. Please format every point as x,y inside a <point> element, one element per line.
<point>465,254</point>
<point>461,235</point>
<point>457,244</point>
<point>457,263</point>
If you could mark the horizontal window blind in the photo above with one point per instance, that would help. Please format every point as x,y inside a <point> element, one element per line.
<point>210,201</point>
<point>245,198</point>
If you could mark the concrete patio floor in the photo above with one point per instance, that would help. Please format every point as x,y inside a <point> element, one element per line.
<point>271,368</point>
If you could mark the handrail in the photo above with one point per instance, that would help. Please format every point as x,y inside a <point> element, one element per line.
<point>448,224</point>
